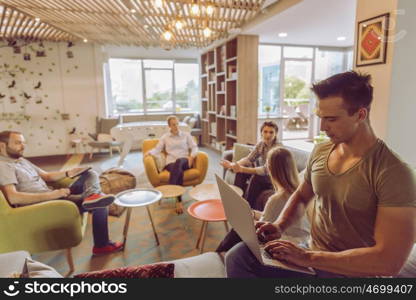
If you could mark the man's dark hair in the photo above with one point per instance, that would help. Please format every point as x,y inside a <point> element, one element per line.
<point>5,136</point>
<point>353,87</point>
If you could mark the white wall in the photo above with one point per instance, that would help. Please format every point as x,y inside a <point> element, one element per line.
<point>381,73</point>
<point>68,85</point>
<point>402,108</point>
<point>394,106</point>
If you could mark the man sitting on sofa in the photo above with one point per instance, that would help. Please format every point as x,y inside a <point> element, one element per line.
<point>24,183</point>
<point>181,150</point>
<point>364,211</point>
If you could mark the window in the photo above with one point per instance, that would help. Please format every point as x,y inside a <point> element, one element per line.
<point>151,86</point>
<point>158,90</point>
<point>328,62</point>
<point>269,72</point>
<point>126,86</point>
<point>298,52</point>
<point>285,77</point>
<point>186,86</point>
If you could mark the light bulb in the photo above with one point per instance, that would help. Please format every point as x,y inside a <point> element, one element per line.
<point>132,10</point>
<point>195,9</point>
<point>207,32</point>
<point>37,20</point>
<point>179,24</point>
<point>210,9</point>
<point>167,35</point>
<point>85,41</point>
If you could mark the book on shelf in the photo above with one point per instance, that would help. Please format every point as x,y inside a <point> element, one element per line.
<point>233,111</point>
<point>213,128</point>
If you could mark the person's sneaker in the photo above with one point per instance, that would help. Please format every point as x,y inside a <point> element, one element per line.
<point>97,201</point>
<point>110,248</point>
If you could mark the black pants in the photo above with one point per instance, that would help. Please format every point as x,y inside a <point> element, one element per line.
<point>253,188</point>
<point>176,171</point>
<point>230,240</point>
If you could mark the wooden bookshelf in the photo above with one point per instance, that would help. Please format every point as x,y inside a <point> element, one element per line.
<point>229,83</point>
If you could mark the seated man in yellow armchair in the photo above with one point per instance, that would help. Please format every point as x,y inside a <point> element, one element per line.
<point>181,150</point>
<point>24,183</point>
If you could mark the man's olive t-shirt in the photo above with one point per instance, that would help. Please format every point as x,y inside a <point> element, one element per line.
<point>346,204</point>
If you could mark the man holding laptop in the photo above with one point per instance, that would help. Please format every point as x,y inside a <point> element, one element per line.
<point>24,183</point>
<point>364,211</point>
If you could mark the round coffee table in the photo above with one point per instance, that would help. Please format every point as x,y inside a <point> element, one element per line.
<point>206,191</point>
<point>210,210</point>
<point>134,198</point>
<point>171,191</point>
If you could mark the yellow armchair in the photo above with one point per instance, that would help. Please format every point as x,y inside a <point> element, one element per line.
<point>193,176</point>
<point>45,226</point>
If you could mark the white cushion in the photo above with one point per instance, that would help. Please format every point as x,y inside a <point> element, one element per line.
<point>35,269</point>
<point>206,265</point>
<point>186,119</point>
<point>192,122</point>
<point>240,151</point>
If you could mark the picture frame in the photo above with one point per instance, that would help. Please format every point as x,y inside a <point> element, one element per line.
<point>372,38</point>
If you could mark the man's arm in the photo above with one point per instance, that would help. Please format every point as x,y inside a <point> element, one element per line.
<point>192,145</point>
<point>51,176</point>
<point>295,207</point>
<point>293,210</point>
<point>21,198</point>
<point>58,175</point>
<point>394,234</point>
<point>159,147</point>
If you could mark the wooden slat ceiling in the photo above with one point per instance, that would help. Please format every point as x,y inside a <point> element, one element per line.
<point>129,22</point>
<point>15,24</point>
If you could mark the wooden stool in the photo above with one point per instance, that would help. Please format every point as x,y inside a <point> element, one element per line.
<point>172,191</point>
<point>210,210</point>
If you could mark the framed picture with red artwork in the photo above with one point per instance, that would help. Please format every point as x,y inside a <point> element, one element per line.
<point>372,41</point>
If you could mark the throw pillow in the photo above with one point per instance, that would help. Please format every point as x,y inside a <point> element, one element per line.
<point>35,269</point>
<point>160,160</point>
<point>192,123</point>
<point>158,270</point>
<point>240,151</point>
<point>186,119</point>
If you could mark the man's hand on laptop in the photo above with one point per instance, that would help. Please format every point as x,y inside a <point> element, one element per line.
<point>287,251</point>
<point>60,193</point>
<point>267,231</point>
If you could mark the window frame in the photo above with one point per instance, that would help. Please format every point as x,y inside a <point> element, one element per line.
<point>108,91</point>
<point>315,123</point>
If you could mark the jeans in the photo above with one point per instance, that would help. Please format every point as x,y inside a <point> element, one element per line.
<point>241,263</point>
<point>176,171</point>
<point>230,240</point>
<point>87,184</point>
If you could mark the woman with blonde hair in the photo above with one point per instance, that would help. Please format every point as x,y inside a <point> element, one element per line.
<point>284,176</point>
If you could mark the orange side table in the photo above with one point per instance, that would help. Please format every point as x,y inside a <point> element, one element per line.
<point>210,210</point>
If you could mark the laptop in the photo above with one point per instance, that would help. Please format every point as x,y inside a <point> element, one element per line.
<point>240,216</point>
